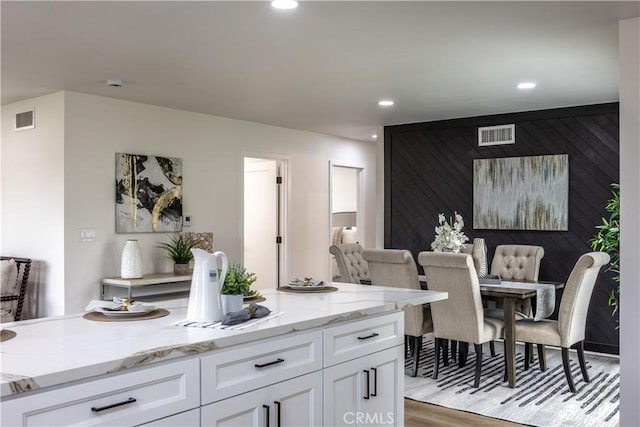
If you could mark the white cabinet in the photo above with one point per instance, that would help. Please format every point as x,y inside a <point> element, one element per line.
<point>296,402</point>
<point>364,372</point>
<point>366,391</point>
<point>243,368</point>
<point>125,399</point>
<point>185,419</point>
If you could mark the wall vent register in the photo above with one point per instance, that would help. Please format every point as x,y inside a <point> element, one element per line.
<point>496,135</point>
<point>25,120</point>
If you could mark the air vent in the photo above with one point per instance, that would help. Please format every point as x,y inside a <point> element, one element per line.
<point>25,120</point>
<point>497,135</point>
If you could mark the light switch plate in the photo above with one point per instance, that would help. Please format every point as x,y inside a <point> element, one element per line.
<point>87,234</point>
<point>186,221</point>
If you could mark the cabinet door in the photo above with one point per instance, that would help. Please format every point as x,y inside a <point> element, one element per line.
<point>247,409</point>
<point>385,405</point>
<point>343,393</point>
<point>365,391</point>
<point>185,419</point>
<point>297,402</point>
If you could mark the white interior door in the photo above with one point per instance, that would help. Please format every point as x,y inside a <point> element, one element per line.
<point>261,219</point>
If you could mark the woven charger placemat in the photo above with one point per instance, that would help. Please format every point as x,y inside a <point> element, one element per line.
<point>6,335</point>
<point>311,291</point>
<point>99,317</point>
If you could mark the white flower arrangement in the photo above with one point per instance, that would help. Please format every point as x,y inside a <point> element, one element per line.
<point>449,235</point>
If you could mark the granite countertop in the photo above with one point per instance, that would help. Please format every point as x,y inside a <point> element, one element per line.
<point>56,350</point>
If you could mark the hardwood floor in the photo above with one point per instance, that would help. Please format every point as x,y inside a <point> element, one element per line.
<point>419,414</point>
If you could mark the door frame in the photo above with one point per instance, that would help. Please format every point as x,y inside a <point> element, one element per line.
<point>284,163</point>
<point>360,214</point>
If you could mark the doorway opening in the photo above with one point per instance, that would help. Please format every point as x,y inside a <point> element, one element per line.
<point>264,202</point>
<point>346,217</point>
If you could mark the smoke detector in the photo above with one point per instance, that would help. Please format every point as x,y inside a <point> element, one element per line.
<point>114,83</point>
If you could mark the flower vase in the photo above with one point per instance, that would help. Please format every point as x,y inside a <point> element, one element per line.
<point>479,255</point>
<point>131,265</point>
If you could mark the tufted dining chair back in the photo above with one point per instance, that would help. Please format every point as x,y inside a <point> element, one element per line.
<point>517,262</point>
<point>352,266</point>
<point>14,277</point>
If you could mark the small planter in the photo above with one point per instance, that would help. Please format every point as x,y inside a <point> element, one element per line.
<point>180,269</point>
<point>231,303</point>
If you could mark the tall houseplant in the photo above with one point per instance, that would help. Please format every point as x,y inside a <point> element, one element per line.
<point>179,251</point>
<point>608,240</point>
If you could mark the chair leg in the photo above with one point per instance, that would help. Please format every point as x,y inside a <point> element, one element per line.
<point>583,366</point>
<point>454,350</point>
<point>478,348</point>
<point>417,345</point>
<point>527,355</point>
<point>505,377</point>
<point>436,362</point>
<point>406,346</point>
<point>464,352</point>
<point>492,348</point>
<point>567,369</point>
<point>542,357</point>
<point>445,352</point>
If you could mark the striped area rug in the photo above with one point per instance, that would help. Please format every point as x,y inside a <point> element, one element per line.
<point>539,399</point>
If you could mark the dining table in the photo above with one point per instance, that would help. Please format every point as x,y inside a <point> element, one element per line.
<point>509,292</point>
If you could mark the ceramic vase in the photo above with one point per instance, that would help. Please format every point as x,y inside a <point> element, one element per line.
<point>480,256</point>
<point>131,265</point>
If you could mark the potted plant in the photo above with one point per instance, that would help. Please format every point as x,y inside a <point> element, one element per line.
<point>237,285</point>
<point>179,251</point>
<point>608,240</point>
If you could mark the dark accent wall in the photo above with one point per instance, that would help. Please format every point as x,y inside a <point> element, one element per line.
<point>429,170</point>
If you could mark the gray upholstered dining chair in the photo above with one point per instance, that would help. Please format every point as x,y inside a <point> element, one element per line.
<point>352,266</point>
<point>569,329</point>
<point>397,268</point>
<point>460,317</point>
<point>516,262</point>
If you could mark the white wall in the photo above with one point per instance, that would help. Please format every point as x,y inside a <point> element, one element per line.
<point>344,194</point>
<point>629,47</point>
<point>97,127</point>
<point>32,204</point>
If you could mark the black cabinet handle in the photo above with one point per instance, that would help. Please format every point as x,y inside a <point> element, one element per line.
<point>277,413</point>
<point>114,405</point>
<point>375,382</point>
<point>267,408</point>
<point>367,379</point>
<point>264,365</point>
<point>368,336</point>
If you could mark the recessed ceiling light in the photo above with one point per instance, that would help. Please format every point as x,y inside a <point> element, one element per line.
<point>526,85</point>
<point>114,83</point>
<point>284,4</point>
<point>374,136</point>
<point>385,103</point>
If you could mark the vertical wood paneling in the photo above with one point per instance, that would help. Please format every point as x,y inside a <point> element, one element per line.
<point>429,170</point>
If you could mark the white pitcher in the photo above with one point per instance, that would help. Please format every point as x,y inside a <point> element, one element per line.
<point>204,298</point>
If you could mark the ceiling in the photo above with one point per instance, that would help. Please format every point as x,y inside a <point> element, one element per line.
<point>323,66</point>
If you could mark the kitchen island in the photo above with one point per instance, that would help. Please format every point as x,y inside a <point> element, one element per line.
<point>69,370</point>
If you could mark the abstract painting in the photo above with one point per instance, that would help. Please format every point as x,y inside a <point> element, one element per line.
<point>521,193</point>
<point>148,194</point>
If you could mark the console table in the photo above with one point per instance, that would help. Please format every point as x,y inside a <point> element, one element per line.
<point>151,285</point>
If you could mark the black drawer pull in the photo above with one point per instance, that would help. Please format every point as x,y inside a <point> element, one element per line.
<point>267,415</point>
<point>367,379</point>
<point>373,335</point>
<point>375,382</point>
<point>115,405</point>
<point>264,365</point>
<point>277,413</point>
